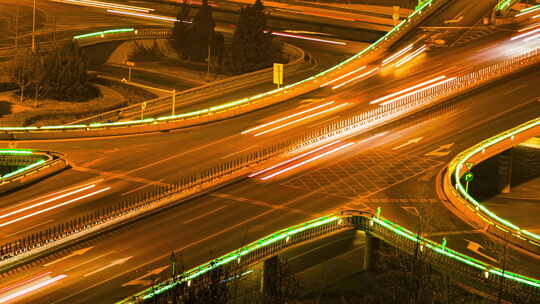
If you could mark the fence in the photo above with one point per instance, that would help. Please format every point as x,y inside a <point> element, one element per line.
<point>474,273</point>
<point>213,89</point>
<point>468,205</point>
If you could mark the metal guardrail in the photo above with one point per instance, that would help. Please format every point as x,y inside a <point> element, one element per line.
<point>35,165</point>
<point>232,108</point>
<point>467,204</point>
<point>473,272</point>
<point>208,90</point>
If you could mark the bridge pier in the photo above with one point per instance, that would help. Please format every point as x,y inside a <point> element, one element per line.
<point>504,170</point>
<point>270,276</point>
<point>370,251</point>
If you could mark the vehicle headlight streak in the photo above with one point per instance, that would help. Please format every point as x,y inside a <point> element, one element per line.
<point>417,91</point>
<point>525,34</point>
<point>407,89</point>
<point>529,10</point>
<point>343,76</point>
<point>368,73</point>
<point>39,284</point>
<point>410,57</point>
<point>100,4</point>
<point>46,201</point>
<point>53,207</point>
<point>301,119</point>
<point>287,117</point>
<point>165,18</point>
<point>308,38</point>
<point>397,55</point>
<point>307,161</point>
<point>294,158</point>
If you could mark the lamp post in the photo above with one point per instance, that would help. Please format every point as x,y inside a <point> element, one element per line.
<point>34,28</point>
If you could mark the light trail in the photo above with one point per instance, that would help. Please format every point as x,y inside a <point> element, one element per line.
<point>145,16</point>
<point>308,38</point>
<point>29,289</point>
<point>293,159</point>
<point>307,161</point>
<point>397,55</point>
<point>528,12</point>
<point>410,56</point>
<point>407,89</point>
<point>54,207</point>
<point>531,38</point>
<point>46,201</point>
<point>355,78</point>
<point>100,4</point>
<point>18,284</point>
<point>343,76</point>
<point>535,17</point>
<point>301,119</point>
<point>418,91</point>
<point>534,26</point>
<point>287,117</point>
<point>525,34</point>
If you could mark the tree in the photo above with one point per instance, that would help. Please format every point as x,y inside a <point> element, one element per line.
<point>21,70</point>
<point>181,29</point>
<point>201,34</point>
<point>251,47</point>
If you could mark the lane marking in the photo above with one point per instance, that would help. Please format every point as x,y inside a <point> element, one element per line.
<point>74,253</point>
<point>140,282</point>
<point>112,264</point>
<point>410,142</point>
<point>204,214</point>
<point>441,151</point>
<point>88,261</point>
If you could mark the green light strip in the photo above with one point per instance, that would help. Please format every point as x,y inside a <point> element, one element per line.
<point>104,33</point>
<point>461,159</point>
<point>234,255</point>
<point>503,4</point>
<point>16,151</point>
<point>229,104</point>
<point>456,255</point>
<point>22,169</point>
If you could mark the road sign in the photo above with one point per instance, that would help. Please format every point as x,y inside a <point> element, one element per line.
<point>143,105</point>
<point>130,63</point>
<point>469,176</point>
<point>278,73</point>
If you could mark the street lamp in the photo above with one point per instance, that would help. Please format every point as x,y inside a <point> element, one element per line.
<point>34,28</point>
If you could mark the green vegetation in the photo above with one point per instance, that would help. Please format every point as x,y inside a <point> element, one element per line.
<point>60,74</point>
<point>251,48</point>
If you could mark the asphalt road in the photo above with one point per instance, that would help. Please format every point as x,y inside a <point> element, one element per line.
<point>135,165</point>
<point>401,180</point>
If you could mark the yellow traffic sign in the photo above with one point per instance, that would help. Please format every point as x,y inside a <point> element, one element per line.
<point>278,73</point>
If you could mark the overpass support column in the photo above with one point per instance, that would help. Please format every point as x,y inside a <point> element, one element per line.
<point>270,277</point>
<point>370,251</point>
<point>504,179</point>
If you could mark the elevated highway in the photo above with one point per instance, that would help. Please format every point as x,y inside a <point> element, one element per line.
<point>273,210</point>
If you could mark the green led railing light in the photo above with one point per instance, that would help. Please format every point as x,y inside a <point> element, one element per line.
<point>503,4</point>
<point>459,163</point>
<point>22,169</point>
<point>239,253</point>
<point>15,151</point>
<point>284,233</point>
<point>104,33</point>
<point>224,106</point>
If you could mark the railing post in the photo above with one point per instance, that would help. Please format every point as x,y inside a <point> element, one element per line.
<point>269,278</point>
<point>370,251</point>
<point>505,160</point>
